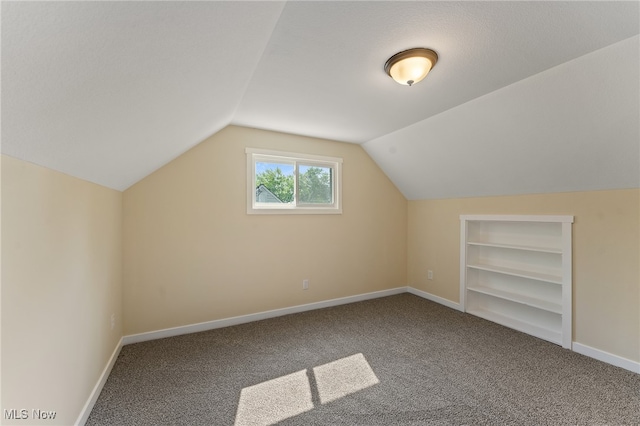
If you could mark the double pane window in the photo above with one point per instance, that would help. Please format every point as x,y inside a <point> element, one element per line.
<point>292,183</point>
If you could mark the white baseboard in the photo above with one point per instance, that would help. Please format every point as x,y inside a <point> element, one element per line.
<point>603,356</point>
<point>446,302</point>
<point>598,354</point>
<point>243,319</point>
<point>95,393</point>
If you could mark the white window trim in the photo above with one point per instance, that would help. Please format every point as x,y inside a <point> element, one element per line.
<point>254,155</point>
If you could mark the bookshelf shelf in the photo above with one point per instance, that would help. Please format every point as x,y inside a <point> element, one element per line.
<point>516,271</point>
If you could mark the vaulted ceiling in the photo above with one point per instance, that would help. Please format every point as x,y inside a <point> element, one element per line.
<point>111,91</point>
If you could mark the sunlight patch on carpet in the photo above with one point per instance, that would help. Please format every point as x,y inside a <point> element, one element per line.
<point>275,400</point>
<point>343,377</point>
<point>270,402</point>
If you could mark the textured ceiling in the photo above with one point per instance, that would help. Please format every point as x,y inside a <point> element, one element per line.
<point>574,127</point>
<point>110,91</point>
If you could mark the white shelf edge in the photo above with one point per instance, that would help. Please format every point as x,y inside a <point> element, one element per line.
<point>553,279</point>
<point>516,218</point>
<point>556,309</point>
<point>543,305</point>
<point>517,247</point>
<point>519,325</point>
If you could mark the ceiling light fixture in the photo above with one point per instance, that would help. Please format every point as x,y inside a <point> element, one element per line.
<point>411,66</point>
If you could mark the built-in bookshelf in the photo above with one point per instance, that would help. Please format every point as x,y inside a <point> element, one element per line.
<point>516,271</point>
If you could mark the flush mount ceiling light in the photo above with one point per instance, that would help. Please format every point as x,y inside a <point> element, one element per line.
<point>411,66</point>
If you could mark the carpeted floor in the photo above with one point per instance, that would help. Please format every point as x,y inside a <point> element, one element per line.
<point>398,360</point>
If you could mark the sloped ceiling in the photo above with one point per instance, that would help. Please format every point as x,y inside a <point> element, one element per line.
<point>574,127</point>
<point>110,91</point>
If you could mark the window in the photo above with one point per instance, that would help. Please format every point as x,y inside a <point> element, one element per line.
<point>283,182</point>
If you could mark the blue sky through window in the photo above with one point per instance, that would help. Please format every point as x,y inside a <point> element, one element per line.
<point>286,169</point>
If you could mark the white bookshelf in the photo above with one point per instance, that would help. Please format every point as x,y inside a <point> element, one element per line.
<point>516,271</point>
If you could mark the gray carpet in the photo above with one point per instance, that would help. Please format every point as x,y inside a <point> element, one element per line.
<point>398,360</point>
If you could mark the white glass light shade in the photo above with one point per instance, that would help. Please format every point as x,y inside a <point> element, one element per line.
<point>411,66</point>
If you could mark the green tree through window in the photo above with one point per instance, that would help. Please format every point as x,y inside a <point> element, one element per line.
<point>314,185</point>
<point>289,183</point>
<point>278,183</point>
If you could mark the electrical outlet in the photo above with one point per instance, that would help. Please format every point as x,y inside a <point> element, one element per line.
<point>113,321</point>
<point>429,274</point>
<point>305,284</point>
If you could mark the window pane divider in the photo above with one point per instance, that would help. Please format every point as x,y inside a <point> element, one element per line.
<point>321,185</point>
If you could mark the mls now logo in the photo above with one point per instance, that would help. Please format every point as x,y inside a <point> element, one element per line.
<point>23,414</point>
<point>16,414</point>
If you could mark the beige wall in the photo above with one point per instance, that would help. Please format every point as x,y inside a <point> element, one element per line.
<point>178,248</point>
<point>192,254</point>
<point>606,256</point>
<point>61,281</point>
